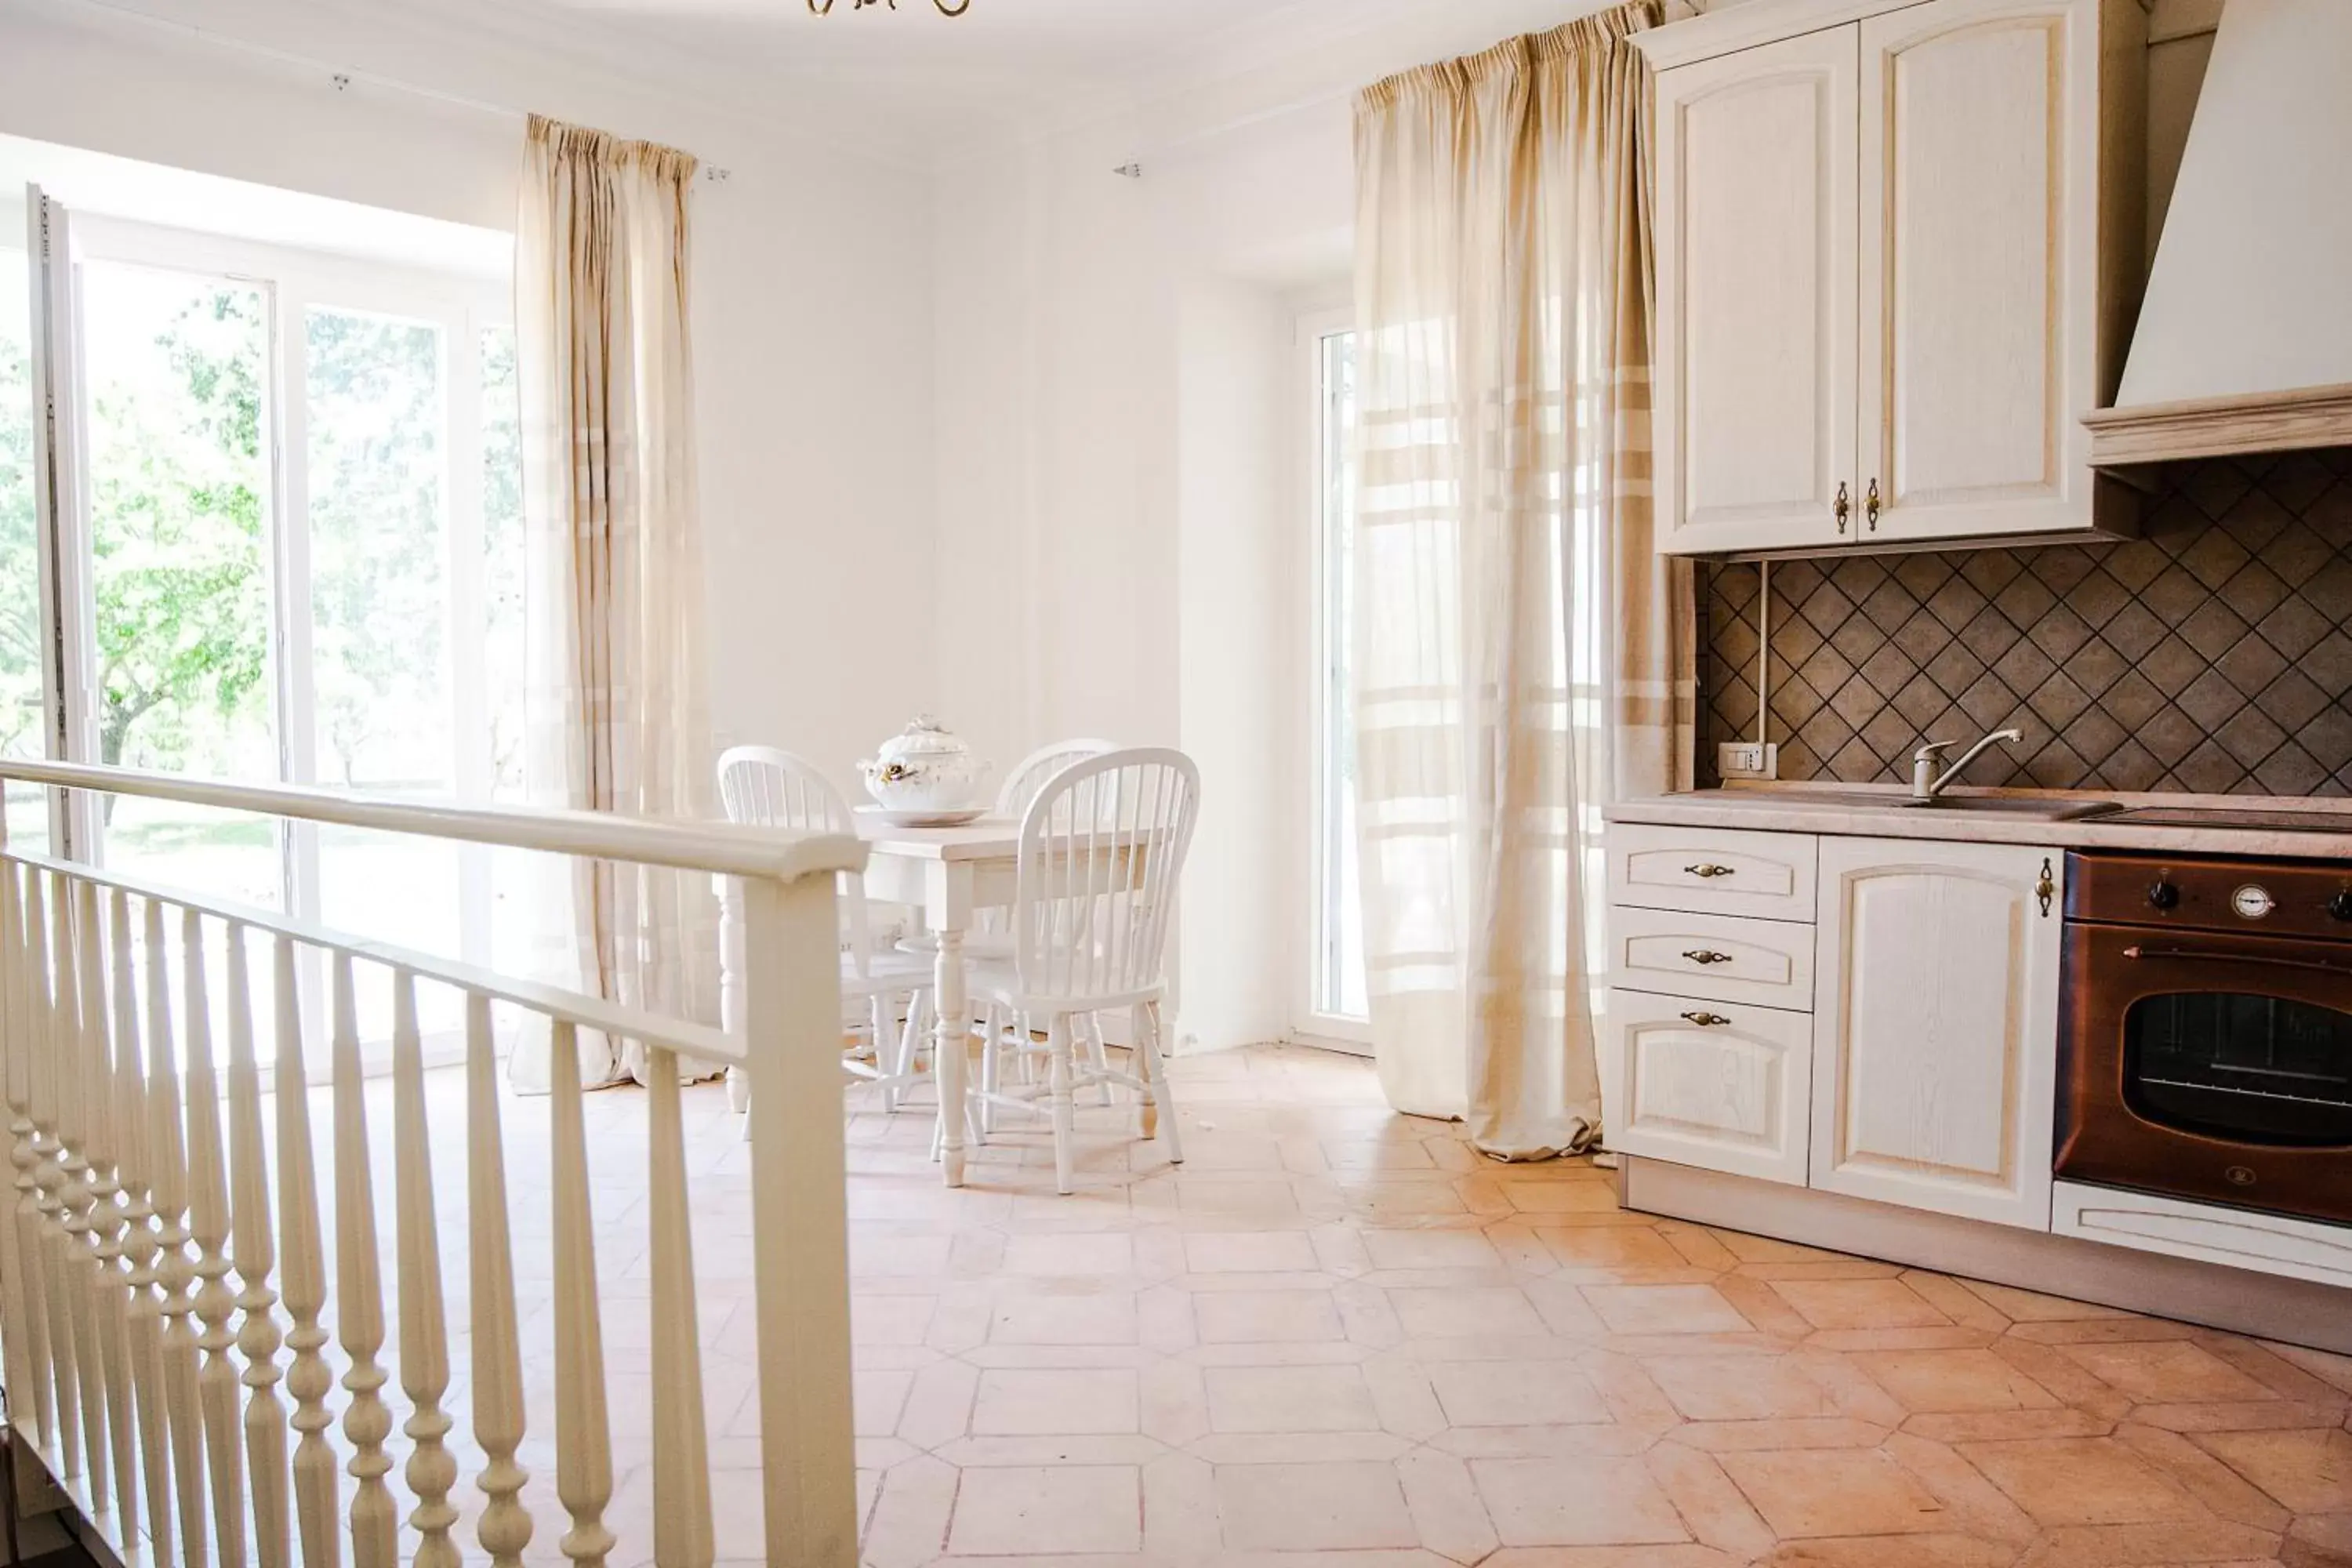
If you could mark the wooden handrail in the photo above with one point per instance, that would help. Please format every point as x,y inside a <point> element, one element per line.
<point>721,847</point>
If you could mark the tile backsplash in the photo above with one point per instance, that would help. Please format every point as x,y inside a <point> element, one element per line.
<point>2213,655</point>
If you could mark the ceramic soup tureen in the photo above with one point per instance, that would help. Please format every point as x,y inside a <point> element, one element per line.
<point>923,769</point>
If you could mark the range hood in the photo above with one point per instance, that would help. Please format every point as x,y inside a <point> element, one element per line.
<point>2244,342</point>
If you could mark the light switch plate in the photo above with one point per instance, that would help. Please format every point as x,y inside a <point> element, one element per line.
<point>1748,760</point>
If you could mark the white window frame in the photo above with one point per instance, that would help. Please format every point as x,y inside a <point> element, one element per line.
<point>463,306</point>
<point>1311,1022</point>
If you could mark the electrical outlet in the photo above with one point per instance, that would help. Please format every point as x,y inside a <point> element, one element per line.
<point>1748,760</point>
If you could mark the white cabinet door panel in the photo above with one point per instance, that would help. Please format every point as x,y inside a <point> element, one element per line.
<point>1936,1002</point>
<point>1755,170</point>
<point>1722,1086</point>
<point>1979,287</point>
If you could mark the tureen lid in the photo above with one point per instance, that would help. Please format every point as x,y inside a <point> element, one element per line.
<point>926,737</point>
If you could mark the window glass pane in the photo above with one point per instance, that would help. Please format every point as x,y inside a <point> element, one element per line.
<point>1339,984</point>
<point>21,716</point>
<point>176,370</point>
<point>379,623</point>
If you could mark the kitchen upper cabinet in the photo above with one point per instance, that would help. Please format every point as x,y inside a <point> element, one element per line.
<point>1936,1019</point>
<point>1898,262</point>
<point>1755,168</point>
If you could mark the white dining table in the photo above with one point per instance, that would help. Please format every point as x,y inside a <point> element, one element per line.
<point>950,874</point>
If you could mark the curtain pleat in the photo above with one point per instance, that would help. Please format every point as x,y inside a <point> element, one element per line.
<point>616,716</point>
<point>1522,654</point>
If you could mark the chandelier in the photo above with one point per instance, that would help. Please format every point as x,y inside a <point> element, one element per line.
<point>825,7</point>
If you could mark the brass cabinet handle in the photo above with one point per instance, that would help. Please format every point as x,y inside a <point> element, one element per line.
<point>1844,507</point>
<point>1700,955</point>
<point>1707,1020</point>
<point>1709,872</point>
<point>1870,506</point>
<point>2047,888</point>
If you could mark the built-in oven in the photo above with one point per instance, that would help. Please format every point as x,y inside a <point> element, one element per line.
<point>2206,1044</point>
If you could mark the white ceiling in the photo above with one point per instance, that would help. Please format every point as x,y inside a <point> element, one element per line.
<point>922,88</point>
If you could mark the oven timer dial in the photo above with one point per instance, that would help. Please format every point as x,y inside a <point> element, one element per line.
<point>2340,906</point>
<point>2254,902</point>
<point>2164,895</point>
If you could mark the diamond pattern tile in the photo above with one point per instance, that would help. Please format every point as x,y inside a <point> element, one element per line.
<point>2212,655</point>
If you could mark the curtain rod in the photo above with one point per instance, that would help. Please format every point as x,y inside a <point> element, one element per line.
<point>340,76</point>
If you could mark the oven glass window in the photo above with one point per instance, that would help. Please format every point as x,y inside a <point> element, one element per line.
<point>2260,1070</point>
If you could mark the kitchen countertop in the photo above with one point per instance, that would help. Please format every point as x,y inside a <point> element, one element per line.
<point>1863,811</point>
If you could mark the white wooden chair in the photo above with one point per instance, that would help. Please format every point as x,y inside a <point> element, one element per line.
<point>761,786</point>
<point>1102,852</point>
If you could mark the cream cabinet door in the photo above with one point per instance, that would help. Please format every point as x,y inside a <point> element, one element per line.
<point>1936,1016</point>
<point>1979,283</point>
<point>1755,409</point>
<point>1721,1085</point>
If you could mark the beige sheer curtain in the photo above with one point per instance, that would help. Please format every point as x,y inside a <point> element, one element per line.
<point>616,716</point>
<point>1521,655</point>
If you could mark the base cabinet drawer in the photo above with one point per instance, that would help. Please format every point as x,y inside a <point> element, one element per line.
<point>1724,958</point>
<point>2271,1243</point>
<point>1723,1086</point>
<point>1712,870</point>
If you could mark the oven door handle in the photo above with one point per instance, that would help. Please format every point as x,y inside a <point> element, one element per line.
<point>2195,955</point>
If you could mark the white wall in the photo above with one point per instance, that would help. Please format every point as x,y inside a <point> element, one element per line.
<point>812,303</point>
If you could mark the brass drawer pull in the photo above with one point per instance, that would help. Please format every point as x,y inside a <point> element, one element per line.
<point>1871,504</point>
<point>1709,872</point>
<point>1707,1020</point>
<point>1844,507</point>
<point>1700,955</point>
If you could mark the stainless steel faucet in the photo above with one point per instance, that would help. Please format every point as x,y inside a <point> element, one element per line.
<point>1927,785</point>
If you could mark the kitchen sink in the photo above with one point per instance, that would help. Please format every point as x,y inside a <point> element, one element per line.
<point>2027,806</point>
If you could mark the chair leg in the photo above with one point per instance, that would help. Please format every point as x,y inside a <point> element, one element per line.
<point>1097,1058</point>
<point>990,1060</point>
<point>1057,1047</point>
<point>739,1091</point>
<point>1156,1099</point>
<point>877,1026</point>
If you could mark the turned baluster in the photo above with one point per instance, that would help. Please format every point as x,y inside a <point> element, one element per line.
<point>682,1525</point>
<point>27,1291</point>
<point>257,1337</point>
<point>359,1295</point>
<point>309,1377</point>
<point>174,1275</point>
<point>143,1315</point>
<point>110,1324</point>
<point>208,1209</point>
<point>506,1526</point>
<point>424,1327</point>
<point>583,1448</point>
<point>49,1086</point>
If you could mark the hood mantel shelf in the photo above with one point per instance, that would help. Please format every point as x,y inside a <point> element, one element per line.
<point>2223,426</point>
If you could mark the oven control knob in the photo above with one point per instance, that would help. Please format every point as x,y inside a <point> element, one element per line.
<point>2340,906</point>
<point>2164,896</point>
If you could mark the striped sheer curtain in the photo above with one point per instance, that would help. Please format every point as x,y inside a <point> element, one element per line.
<point>1522,654</point>
<point>615,713</point>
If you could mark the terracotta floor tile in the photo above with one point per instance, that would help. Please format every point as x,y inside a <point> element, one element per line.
<point>1834,1491</point>
<point>1289,1399</point>
<point>1313,1508</point>
<point>1954,1381</point>
<point>1440,1313</point>
<point>1250,1252</point>
<point>1580,1500</point>
<point>1664,1309</point>
<point>1738,1388</point>
<point>2310,1472</point>
<point>2081,1480</point>
<point>1516,1393</point>
<point>1037,1402</point>
<point>2165,1372</point>
<point>1858,1303</point>
<point>1033,1510</point>
<point>1233,1317</point>
<point>1430,1249</point>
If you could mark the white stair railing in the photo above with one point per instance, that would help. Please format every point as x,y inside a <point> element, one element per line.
<point>158,1282</point>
